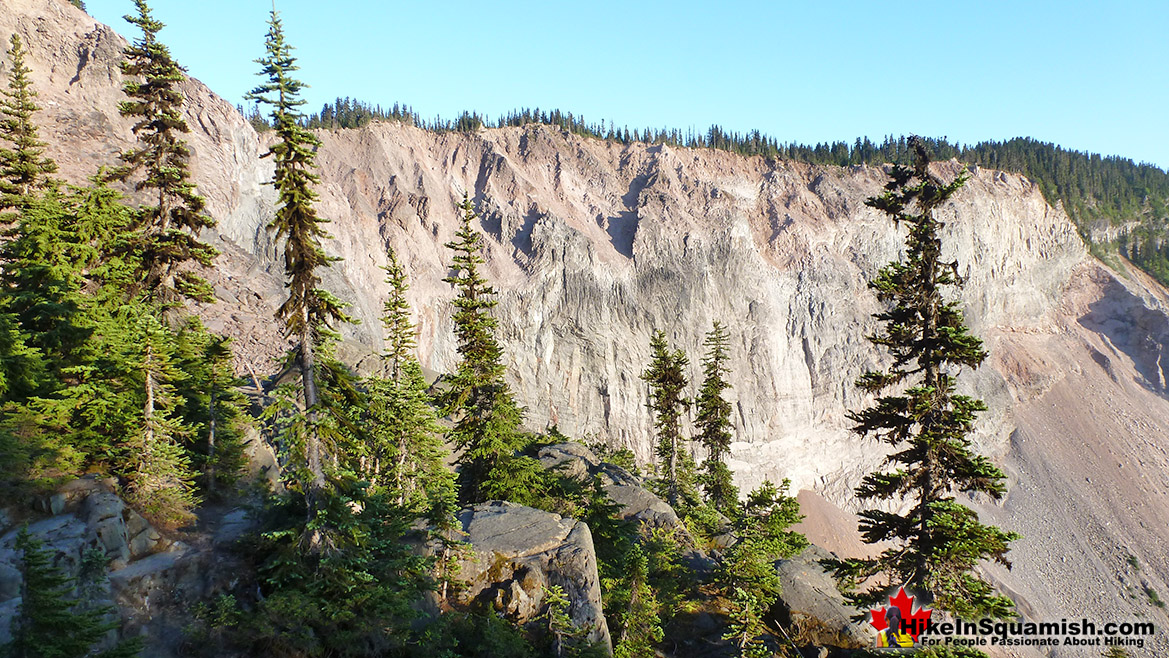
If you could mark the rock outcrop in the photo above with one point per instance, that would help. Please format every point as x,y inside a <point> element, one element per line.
<point>518,552</point>
<point>811,603</point>
<point>149,579</point>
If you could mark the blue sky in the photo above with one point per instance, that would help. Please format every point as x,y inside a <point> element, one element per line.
<point>1092,76</point>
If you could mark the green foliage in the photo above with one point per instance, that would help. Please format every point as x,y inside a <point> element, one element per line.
<point>309,310</point>
<point>166,233</point>
<point>666,377</point>
<point>470,635</point>
<point>1115,652</point>
<point>640,625</point>
<point>352,113</point>
<point>746,626</point>
<point>487,418</point>
<point>565,638</point>
<point>349,594</point>
<point>24,170</point>
<point>404,455</point>
<point>51,622</point>
<point>212,405</point>
<point>714,422</point>
<point>161,480</point>
<point>746,575</point>
<point>938,542</point>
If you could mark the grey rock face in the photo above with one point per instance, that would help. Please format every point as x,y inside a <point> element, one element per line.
<point>519,551</point>
<point>811,602</point>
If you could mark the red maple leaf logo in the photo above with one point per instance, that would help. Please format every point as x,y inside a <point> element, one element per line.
<point>914,622</point>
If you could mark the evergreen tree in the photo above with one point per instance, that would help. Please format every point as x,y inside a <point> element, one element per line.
<point>211,403</point>
<point>405,455</point>
<point>51,622</point>
<point>162,481</point>
<point>746,626</point>
<point>487,419</point>
<point>667,379</point>
<point>938,542</point>
<point>714,422</point>
<point>43,281</point>
<point>166,237</point>
<point>641,626</point>
<point>24,170</point>
<point>309,310</point>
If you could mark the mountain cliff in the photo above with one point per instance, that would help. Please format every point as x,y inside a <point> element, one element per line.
<point>593,245</point>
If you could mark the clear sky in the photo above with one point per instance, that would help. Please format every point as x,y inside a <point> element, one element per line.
<point>1088,75</point>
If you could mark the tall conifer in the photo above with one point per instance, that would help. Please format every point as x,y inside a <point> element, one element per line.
<point>167,233</point>
<point>24,169</point>
<point>405,453</point>
<point>487,418</point>
<point>937,542</point>
<point>666,376</point>
<point>309,310</point>
<point>714,422</point>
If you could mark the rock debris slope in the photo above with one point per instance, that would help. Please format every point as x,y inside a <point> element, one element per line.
<point>593,245</point>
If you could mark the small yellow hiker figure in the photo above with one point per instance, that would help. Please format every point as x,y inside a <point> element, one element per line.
<point>893,636</point>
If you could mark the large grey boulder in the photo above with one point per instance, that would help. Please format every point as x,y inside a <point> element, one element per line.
<point>813,604</point>
<point>517,552</point>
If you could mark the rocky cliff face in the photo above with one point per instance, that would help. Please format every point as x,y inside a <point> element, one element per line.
<point>594,245</point>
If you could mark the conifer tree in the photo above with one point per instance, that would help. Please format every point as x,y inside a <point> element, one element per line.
<point>211,404</point>
<point>309,310</point>
<point>487,418</point>
<point>667,379</point>
<point>714,422</point>
<point>43,281</point>
<point>405,453</point>
<point>24,170</point>
<point>746,626</point>
<point>641,626</point>
<point>166,237</point>
<point>938,542</point>
<point>50,622</point>
<point>162,481</point>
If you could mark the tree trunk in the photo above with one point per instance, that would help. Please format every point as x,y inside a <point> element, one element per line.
<point>211,441</point>
<point>673,473</point>
<point>312,439</point>
<point>148,406</point>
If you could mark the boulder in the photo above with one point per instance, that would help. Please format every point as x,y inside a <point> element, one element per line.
<point>517,552</point>
<point>810,602</point>
<point>574,459</point>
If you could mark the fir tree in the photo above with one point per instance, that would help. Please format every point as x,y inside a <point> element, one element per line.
<point>405,453</point>
<point>162,480</point>
<point>211,403</point>
<point>938,542</point>
<point>24,170</point>
<point>714,422</point>
<point>486,416</point>
<point>51,622</point>
<point>166,237</point>
<point>746,626</point>
<point>641,626</point>
<point>43,280</point>
<point>309,310</point>
<point>667,379</point>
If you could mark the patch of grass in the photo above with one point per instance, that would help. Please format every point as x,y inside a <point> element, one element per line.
<point>1154,598</point>
<point>1132,562</point>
